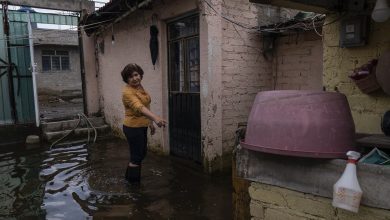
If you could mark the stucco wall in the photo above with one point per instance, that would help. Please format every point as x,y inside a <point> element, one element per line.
<point>298,62</point>
<point>340,62</point>
<point>89,73</point>
<point>132,46</point>
<point>57,81</point>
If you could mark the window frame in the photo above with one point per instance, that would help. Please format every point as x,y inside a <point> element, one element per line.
<point>51,54</point>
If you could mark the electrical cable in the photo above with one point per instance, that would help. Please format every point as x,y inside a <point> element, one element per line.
<point>66,135</point>
<point>314,27</point>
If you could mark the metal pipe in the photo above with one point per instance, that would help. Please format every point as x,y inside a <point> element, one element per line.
<point>33,71</point>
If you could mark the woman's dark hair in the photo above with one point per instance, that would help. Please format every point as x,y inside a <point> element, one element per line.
<point>129,70</point>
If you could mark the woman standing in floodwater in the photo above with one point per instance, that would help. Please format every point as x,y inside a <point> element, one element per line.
<point>138,118</point>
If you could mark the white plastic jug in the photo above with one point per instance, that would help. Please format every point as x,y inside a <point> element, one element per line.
<point>346,191</point>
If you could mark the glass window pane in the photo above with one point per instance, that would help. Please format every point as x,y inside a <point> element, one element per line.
<point>46,64</point>
<point>177,66</point>
<point>65,63</point>
<point>55,63</point>
<point>193,64</point>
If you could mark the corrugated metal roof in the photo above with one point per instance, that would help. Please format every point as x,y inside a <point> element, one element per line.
<point>108,13</point>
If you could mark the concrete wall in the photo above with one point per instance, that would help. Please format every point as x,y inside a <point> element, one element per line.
<point>340,62</point>
<point>57,81</point>
<point>283,187</point>
<point>245,71</point>
<point>89,73</point>
<point>55,37</point>
<point>271,202</point>
<point>298,62</point>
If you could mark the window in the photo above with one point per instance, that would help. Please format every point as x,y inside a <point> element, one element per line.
<point>183,40</point>
<point>55,60</point>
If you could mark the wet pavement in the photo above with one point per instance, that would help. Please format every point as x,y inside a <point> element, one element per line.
<point>86,182</point>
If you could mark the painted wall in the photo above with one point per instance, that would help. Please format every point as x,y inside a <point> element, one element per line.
<point>245,70</point>
<point>90,75</point>
<point>298,62</point>
<point>367,110</point>
<point>57,81</point>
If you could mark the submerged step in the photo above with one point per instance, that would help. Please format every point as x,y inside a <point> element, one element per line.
<point>70,124</point>
<point>79,132</point>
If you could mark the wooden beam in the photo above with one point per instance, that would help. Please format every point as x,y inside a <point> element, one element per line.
<point>317,6</point>
<point>66,5</point>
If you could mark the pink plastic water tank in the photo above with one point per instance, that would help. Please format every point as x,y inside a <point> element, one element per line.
<point>300,123</point>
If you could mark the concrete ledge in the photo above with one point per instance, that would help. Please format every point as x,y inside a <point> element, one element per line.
<point>314,176</point>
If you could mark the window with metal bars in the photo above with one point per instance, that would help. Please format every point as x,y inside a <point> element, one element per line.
<point>55,60</point>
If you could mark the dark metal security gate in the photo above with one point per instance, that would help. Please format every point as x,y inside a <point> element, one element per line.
<point>16,92</point>
<point>184,84</point>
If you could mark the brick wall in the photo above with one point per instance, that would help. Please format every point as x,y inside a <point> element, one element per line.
<point>245,71</point>
<point>271,202</point>
<point>298,62</point>
<point>367,110</point>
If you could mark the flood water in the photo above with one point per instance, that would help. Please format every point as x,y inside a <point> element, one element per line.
<point>87,182</point>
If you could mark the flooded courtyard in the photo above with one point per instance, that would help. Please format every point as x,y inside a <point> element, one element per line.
<point>87,182</point>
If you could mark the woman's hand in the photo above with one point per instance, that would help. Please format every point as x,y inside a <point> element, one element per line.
<point>160,122</point>
<point>152,129</point>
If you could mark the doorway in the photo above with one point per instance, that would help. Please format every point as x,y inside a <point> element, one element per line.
<point>184,88</point>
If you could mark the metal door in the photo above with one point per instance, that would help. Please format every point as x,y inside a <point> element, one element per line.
<point>16,92</point>
<point>184,84</point>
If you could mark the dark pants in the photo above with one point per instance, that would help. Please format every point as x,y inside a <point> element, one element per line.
<point>137,140</point>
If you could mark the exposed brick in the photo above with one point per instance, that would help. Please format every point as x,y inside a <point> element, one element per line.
<point>263,193</point>
<point>279,203</point>
<point>256,209</point>
<point>338,65</point>
<point>285,214</point>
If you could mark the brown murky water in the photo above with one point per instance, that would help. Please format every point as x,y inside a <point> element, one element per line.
<point>86,182</point>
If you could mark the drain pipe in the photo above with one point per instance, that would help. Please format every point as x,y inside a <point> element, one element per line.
<point>33,71</point>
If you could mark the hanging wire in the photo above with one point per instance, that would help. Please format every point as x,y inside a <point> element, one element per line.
<point>257,29</point>
<point>314,27</point>
<point>299,25</point>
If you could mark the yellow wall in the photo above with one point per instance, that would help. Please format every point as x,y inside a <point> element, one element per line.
<point>271,203</point>
<point>367,110</point>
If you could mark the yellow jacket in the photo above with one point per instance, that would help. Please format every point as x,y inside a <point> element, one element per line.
<point>133,100</point>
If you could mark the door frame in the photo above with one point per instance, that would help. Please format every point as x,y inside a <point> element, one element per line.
<point>167,42</point>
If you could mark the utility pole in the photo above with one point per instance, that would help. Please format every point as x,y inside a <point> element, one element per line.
<point>33,71</point>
